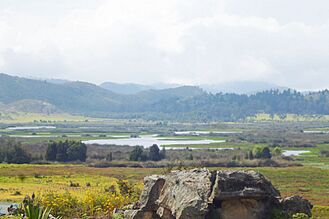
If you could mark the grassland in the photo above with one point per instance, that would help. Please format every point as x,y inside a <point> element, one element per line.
<point>309,182</point>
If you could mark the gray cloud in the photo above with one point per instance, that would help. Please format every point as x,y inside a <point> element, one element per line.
<point>186,41</point>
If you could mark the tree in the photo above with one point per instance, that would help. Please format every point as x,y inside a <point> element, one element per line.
<point>163,153</point>
<point>51,151</point>
<point>61,151</point>
<point>109,157</point>
<point>277,151</point>
<point>136,154</point>
<point>76,151</point>
<point>66,151</point>
<point>257,152</point>
<point>154,153</point>
<point>251,155</point>
<point>12,152</point>
<point>18,155</point>
<point>266,153</point>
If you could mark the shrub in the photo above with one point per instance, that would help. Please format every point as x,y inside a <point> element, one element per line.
<point>300,216</point>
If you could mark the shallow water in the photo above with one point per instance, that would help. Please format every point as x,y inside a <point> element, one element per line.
<point>204,132</point>
<point>30,127</point>
<point>293,153</point>
<point>4,206</point>
<point>148,141</point>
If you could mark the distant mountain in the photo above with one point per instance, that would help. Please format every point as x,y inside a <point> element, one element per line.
<point>179,93</point>
<point>57,81</point>
<point>132,88</point>
<point>81,97</point>
<point>71,97</point>
<point>241,87</point>
<point>127,88</point>
<point>188,103</point>
<point>237,87</point>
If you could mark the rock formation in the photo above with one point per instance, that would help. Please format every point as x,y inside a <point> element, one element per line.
<point>200,193</point>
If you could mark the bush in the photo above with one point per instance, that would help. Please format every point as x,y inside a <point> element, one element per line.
<point>300,216</point>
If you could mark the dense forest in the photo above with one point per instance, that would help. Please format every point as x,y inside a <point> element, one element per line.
<point>235,106</point>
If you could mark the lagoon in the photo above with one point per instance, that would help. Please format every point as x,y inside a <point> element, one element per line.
<point>149,140</point>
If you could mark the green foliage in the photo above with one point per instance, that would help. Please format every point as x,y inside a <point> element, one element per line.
<point>66,151</point>
<point>266,153</point>
<point>278,214</point>
<point>12,152</point>
<point>35,211</point>
<point>277,151</point>
<point>300,216</point>
<point>154,153</point>
<point>261,152</point>
<point>137,154</point>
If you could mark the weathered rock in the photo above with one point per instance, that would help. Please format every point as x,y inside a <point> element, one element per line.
<point>185,194</point>
<point>243,194</point>
<point>152,188</point>
<point>199,193</point>
<point>244,184</point>
<point>296,204</point>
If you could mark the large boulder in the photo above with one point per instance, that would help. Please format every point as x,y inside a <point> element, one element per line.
<point>200,193</point>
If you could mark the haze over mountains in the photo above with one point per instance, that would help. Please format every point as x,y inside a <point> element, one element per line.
<point>154,102</point>
<point>238,87</point>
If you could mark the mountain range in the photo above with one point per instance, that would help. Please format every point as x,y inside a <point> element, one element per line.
<point>238,87</point>
<point>143,101</point>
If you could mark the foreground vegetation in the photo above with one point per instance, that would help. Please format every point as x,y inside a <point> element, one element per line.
<point>59,186</point>
<point>80,180</point>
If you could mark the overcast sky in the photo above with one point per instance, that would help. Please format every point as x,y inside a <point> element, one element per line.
<point>176,41</point>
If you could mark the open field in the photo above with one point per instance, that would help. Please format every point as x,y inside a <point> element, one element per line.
<point>310,182</point>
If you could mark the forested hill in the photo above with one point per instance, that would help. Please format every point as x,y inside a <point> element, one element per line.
<point>186,102</point>
<point>235,106</point>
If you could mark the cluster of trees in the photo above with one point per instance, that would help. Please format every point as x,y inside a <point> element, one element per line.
<point>259,152</point>
<point>154,154</point>
<point>237,106</point>
<point>11,151</point>
<point>64,151</point>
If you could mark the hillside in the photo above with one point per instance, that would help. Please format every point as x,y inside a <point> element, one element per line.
<point>72,97</point>
<point>241,87</point>
<point>82,97</point>
<point>127,88</point>
<point>186,102</point>
<point>30,106</point>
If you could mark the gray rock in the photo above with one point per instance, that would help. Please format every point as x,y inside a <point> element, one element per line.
<point>152,188</point>
<point>199,193</point>
<point>296,204</point>
<point>185,194</point>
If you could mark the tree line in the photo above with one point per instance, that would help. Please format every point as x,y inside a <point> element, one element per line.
<point>238,106</point>
<point>154,154</point>
<point>64,151</point>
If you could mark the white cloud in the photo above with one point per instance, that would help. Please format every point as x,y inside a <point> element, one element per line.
<point>149,41</point>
